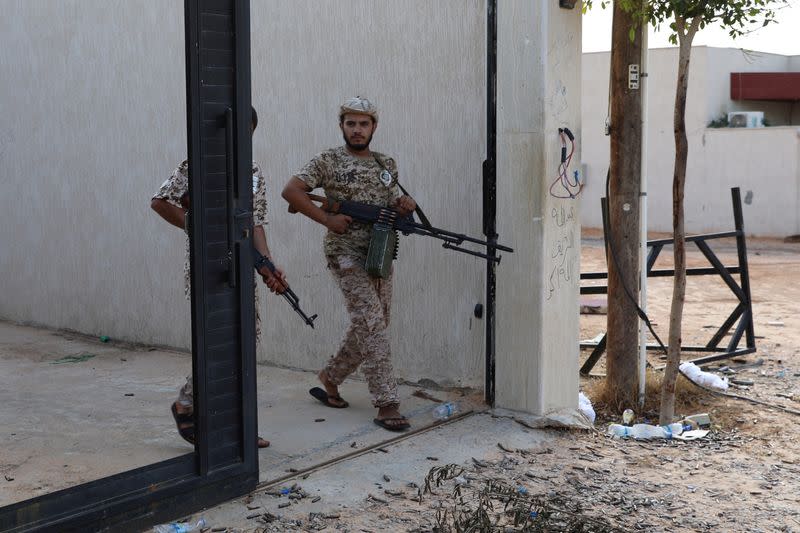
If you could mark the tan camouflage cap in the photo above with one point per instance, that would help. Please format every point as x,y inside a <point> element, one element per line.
<point>358,105</point>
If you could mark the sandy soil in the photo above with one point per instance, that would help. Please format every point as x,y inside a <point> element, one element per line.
<point>745,476</point>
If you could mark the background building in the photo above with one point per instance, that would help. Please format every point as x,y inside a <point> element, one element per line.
<point>764,162</point>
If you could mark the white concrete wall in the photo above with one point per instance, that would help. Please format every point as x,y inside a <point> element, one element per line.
<point>424,66</point>
<point>93,102</point>
<point>93,97</point>
<point>538,92</point>
<point>707,201</point>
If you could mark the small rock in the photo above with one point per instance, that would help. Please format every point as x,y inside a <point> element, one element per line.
<point>386,478</point>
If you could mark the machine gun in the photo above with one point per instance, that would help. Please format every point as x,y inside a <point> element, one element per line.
<point>386,221</point>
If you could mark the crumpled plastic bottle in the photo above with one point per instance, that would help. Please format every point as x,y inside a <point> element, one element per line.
<point>645,431</point>
<point>179,527</point>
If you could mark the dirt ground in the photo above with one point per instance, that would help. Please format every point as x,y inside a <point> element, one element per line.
<point>744,476</point>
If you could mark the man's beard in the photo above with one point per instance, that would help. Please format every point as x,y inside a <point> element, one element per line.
<point>357,147</point>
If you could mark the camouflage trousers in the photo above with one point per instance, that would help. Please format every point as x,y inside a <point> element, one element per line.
<point>186,392</point>
<point>366,342</point>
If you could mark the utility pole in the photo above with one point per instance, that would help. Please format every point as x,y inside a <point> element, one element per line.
<point>623,210</point>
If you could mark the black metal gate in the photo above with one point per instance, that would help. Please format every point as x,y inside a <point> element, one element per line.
<point>224,464</point>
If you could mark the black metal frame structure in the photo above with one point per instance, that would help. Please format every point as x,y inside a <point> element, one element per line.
<point>743,312</point>
<point>224,464</point>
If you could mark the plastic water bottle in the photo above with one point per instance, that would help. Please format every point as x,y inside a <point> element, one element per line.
<point>179,527</point>
<point>445,410</point>
<point>645,431</point>
<point>618,430</point>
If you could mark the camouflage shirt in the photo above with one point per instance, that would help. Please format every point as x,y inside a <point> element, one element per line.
<point>345,177</point>
<point>178,184</point>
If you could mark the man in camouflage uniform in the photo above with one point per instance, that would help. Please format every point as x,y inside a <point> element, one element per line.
<point>170,203</point>
<point>353,172</point>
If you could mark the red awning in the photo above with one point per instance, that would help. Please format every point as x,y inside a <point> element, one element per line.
<point>765,85</point>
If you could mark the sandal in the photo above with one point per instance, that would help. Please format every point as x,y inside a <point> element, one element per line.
<point>185,424</point>
<point>324,397</point>
<point>401,426</point>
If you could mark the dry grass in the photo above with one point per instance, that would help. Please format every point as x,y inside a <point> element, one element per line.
<point>688,398</point>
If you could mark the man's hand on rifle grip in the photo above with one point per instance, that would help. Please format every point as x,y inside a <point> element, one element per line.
<point>276,282</point>
<point>405,205</point>
<point>337,223</point>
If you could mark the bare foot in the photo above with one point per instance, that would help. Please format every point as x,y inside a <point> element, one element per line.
<point>332,390</point>
<point>389,417</point>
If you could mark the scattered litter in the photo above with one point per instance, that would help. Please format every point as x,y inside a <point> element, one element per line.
<point>129,394</point>
<point>645,431</point>
<point>745,364</point>
<point>742,381</point>
<point>386,478</point>
<point>432,458</point>
<point>692,434</point>
<point>180,527</point>
<point>73,359</point>
<point>353,444</point>
<point>384,450</point>
<point>781,374</point>
<point>593,306</point>
<point>319,420</point>
<point>393,492</point>
<point>776,323</point>
<point>315,499</point>
<point>284,505</point>
<point>251,516</point>
<point>585,407</point>
<point>628,416</point>
<point>376,498</point>
<point>460,480</point>
<point>8,478</point>
<point>253,507</point>
<point>698,421</point>
<point>706,379</point>
<point>425,396</point>
<point>286,491</point>
<point>104,338</point>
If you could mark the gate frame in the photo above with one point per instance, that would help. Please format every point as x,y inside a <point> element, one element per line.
<point>743,311</point>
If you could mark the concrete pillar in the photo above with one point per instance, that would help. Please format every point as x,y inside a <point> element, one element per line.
<point>539,54</point>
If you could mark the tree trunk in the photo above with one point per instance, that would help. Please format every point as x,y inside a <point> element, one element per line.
<point>685,35</point>
<point>622,381</point>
